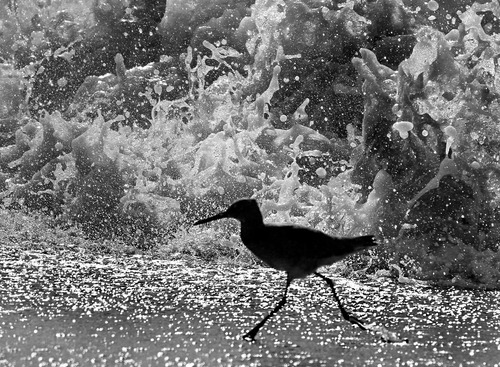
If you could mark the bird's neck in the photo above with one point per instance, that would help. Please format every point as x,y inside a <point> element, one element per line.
<point>251,232</point>
<point>252,223</point>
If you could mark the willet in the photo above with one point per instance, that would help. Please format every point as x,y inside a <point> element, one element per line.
<point>299,251</point>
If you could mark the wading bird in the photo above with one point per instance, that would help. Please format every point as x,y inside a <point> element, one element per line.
<point>298,251</point>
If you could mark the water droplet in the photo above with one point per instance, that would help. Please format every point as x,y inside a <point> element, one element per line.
<point>157,89</point>
<point>475,165</point>
<point>403,127</point>
<point>433,5</point>
<point>321,172</point>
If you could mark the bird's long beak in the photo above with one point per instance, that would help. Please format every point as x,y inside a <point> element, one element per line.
<point>209,219</point>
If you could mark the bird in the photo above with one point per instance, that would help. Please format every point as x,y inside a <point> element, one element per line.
<point>297,250</point>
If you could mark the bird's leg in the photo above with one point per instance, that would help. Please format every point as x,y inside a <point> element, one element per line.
<point>352,319</point>
<point>250,336</point>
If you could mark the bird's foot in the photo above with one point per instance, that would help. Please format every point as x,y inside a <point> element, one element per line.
<point>355,321</point>
<point>385,334</point>
<point>352,319</point>
<point>250,336</point>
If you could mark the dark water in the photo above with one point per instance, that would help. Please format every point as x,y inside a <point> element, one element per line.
<point>140,312</point>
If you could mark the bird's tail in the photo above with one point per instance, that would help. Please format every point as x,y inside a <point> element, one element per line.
<point>363,242</point>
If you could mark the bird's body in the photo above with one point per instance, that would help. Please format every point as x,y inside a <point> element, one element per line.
<point>299,251</point>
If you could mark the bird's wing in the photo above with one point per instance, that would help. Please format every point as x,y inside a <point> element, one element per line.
<point>301,242</point>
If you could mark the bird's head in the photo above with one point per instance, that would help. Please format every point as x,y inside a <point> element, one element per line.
<point>244,210</point>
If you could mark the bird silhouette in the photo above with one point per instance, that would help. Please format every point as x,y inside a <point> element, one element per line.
<point>299,251</point>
